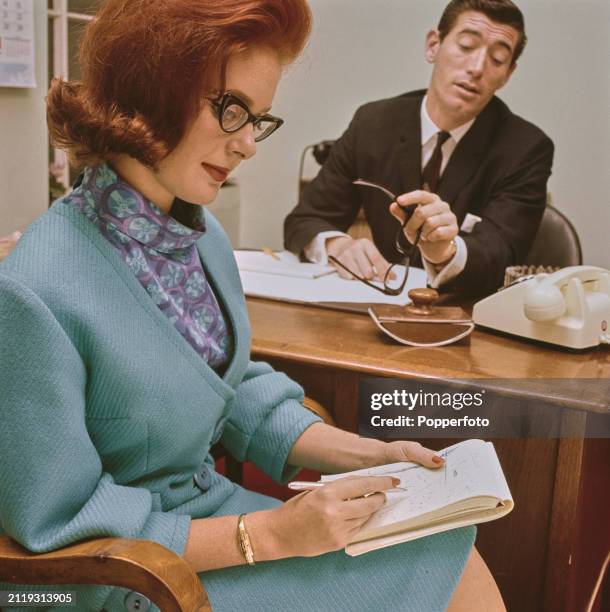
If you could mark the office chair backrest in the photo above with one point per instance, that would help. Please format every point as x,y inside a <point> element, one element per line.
<point>556,243</point>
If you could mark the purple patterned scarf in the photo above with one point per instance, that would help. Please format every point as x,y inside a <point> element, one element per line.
<point>161,252</point>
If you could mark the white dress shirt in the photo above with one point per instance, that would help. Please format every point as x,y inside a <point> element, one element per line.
<point>315,251</point>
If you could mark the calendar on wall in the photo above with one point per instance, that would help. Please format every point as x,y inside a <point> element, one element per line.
<point>17,43</point>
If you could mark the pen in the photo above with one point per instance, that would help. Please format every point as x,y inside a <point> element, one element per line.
<point>303,485</point>
<point>270,252</point>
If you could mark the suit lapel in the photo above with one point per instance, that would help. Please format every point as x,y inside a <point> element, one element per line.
<point>408,150</point>
<point>468,155</point>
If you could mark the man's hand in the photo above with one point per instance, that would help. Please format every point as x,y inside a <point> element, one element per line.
<point>361,256</point>
<point>438,224</point>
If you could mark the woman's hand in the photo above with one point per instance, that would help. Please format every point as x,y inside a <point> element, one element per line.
<point>330,450</point>
<point>316,522</point>
<point>401,450</point>
<point>7,244</point>
<point>319,521</point>
<point>329,517</point>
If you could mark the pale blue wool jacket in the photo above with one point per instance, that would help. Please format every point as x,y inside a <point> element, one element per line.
<point>107,412</point>
<point>107,415</point>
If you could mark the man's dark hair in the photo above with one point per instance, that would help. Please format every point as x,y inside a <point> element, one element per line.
<point>500,11</point>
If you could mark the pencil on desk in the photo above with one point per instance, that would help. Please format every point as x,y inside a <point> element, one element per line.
<point>270,252</point>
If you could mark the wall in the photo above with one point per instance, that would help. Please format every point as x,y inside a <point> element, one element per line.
<point>363,50</point>
<point>367,49</point>
<point>23,141</point>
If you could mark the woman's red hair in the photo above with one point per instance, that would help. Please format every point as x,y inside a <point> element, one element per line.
<point>147,64</point>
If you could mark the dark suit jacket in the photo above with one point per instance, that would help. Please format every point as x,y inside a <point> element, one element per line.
<point>498,171</point>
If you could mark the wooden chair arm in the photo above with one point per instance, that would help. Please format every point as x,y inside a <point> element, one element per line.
<point>138,565</point>
<point>318,409</point>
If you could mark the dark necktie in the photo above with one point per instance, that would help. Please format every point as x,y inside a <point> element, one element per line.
<point>432,171</point>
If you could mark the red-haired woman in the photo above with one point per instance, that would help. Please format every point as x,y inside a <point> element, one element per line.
<point>126,338</point>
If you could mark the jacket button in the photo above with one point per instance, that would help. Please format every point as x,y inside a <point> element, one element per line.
<point>135,602</point>
<point>203,479</point>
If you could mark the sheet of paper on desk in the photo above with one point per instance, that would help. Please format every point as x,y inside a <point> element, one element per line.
<point>286,264</point>
<point>329,288</point>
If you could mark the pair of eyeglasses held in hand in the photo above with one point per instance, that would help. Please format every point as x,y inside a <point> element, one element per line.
<point>406,250</point>
<point>410,325</point>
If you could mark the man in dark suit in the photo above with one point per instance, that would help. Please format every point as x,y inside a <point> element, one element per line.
<point>477,172</point>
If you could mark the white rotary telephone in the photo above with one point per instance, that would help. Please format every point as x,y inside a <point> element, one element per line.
<point>570,308</point>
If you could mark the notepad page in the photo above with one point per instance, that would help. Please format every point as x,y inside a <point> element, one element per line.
<point>463,476</point>
<point>280,263</point>
<point>471,469</point>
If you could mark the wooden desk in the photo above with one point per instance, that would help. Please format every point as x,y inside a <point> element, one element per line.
<point>546,553</point>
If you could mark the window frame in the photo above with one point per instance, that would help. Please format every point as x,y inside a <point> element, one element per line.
<point>58,20</point>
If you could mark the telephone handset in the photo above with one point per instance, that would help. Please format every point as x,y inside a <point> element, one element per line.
<point>570,308</point>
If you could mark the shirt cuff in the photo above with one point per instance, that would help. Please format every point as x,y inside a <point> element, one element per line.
<point>451,270</point>
<point>315,251</point>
